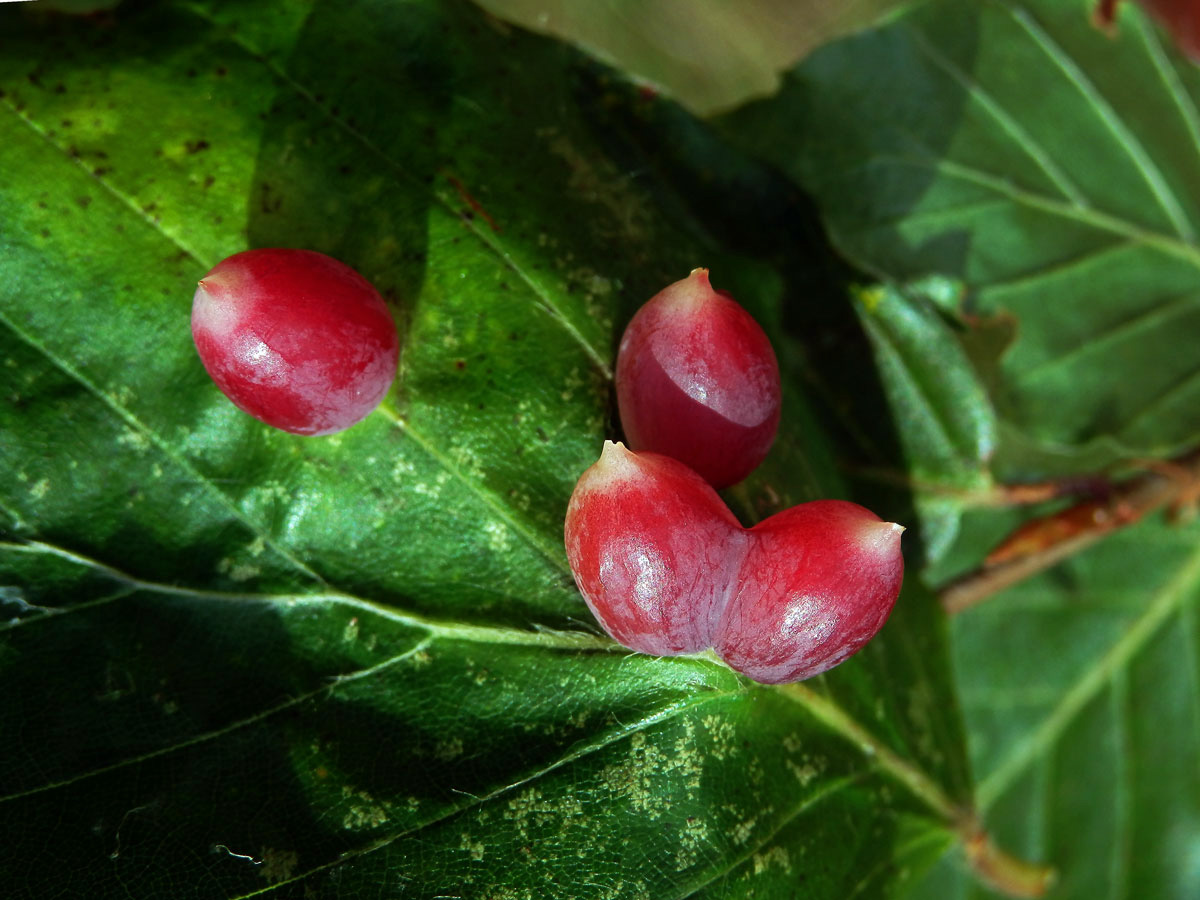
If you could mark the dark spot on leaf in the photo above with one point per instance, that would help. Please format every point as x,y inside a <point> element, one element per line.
<point>60,88</point>
<point>344,170</point>
<point>84,201</point>
<point>479,406</point>
<point>73,152</point>
<point>35,79</point>
<point>222,71</point>
<point>208,181</point>
<point>150,207</point>
<point>66,123</point>
<point>196,146</point>
<point>513,336</point>
<point>504,285</point>
<point>460,364</point>
<point>270,203</point>
<point>191,73</point>
<point>45,232</point>
<point>101,171</point>
<point>542,434</point>
<point>467,215</point>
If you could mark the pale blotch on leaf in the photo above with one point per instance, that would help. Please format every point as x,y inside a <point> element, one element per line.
<point>448,749</point>
<point>805,772</point>
<point>277,865</point>
<point>238,571</point>
<point>691,838</point>
<point>776,856</point>
<point>742,830</point>
<point>475,848</point>
<point>723,736</point>
<point>529,810</point>
<point>40,489</point>
<point>497,536</point>
<point>364,812</point>
<point>134,440</point>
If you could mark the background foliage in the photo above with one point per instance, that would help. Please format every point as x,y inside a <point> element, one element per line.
<point>239,663</point>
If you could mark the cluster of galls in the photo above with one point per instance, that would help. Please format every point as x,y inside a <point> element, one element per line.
<point>306,344</point>
<point>663,564</point>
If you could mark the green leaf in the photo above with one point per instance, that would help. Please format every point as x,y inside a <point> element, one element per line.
<point>1051,168</point>
<point>941,411</point>
<point>1080,690</point>
<point>238,662</point>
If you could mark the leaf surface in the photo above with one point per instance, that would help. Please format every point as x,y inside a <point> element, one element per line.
<point>242,663</point>
<point>1051,168</point>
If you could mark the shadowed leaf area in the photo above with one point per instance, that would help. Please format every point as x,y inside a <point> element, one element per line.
<point>242,663</point>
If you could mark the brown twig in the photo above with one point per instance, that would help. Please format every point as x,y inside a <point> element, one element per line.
<point>1045,541</point>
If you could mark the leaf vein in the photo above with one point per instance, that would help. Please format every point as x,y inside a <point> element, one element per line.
<point>1124,330</point>
<point>1170,76</point>
<point>161,445</point>
<point>1022,138</point>
<point>1168,600</point>
<point>540,294</point>
<point>1111,120</point>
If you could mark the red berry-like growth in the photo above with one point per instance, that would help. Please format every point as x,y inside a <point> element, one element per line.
<point>649,540</point>
<point>697,380</point>
<point>295,338</point>
<point>667,569</point>
<point>817,582</point>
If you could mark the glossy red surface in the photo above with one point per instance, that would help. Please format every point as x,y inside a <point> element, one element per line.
<point>295,339</point>
<point>645,536</point>
<point>667,569</point>
<point>818,581</point>
<point>697,380</point>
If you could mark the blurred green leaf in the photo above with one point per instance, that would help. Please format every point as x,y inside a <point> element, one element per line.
<point>942,414</point>
<point>1051,168</point>
<point>1052,171</point>
<point>238,662</point>
<point>1080,692</point>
